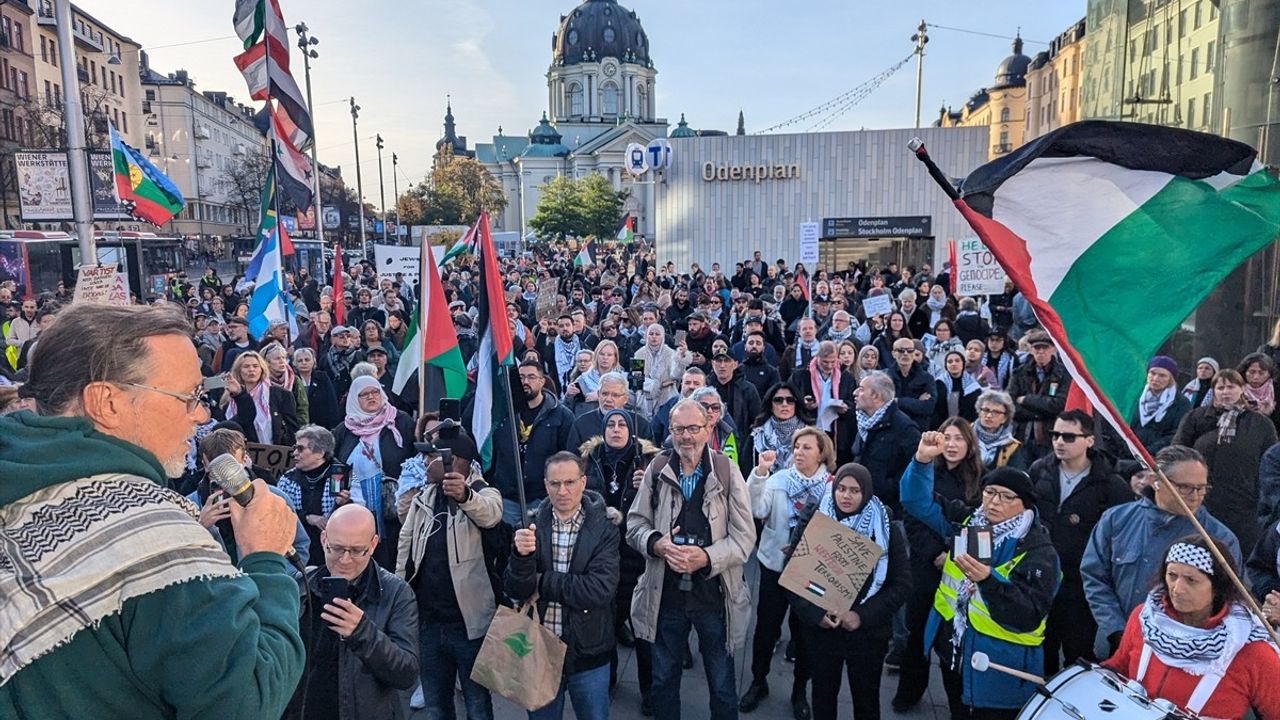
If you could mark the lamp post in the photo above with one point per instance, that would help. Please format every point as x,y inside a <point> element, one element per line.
<point>355,115</point>
<point>305,42</point>
<point>382,192</point>
<point>395,195</point>
<point>73,112</point>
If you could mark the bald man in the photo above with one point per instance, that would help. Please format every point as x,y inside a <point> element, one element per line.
<point>365,630</point>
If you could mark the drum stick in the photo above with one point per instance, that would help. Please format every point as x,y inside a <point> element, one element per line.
<point>981,662</point>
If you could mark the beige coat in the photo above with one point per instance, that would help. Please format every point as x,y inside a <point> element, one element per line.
<point>466,550</point>
<point>727,506</point>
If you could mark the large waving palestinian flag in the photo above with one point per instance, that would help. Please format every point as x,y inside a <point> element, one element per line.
<point>496,351</point>
<point>1115,232</point>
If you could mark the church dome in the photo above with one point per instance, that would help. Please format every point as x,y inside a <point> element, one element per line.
<point>1012,71</point>
<point>598,29</point>
<point>682,129</point>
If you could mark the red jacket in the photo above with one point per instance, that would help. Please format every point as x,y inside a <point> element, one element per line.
<point>1250,680</point>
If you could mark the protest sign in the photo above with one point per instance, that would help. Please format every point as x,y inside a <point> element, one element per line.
<point>545,307</point>
<point>877,305</point>
<point>809,243</point>
<point>977,272</point>
<point>100,284</point>
<point>830,564</point>
<point>275,459</point>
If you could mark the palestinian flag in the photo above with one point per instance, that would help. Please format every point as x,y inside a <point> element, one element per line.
<point>1087,219</point>
<point>466,244</point>
<point>496,352</point>
<point>254,17</point>
<point>626,230</point>
<point>433,341</point>
<point>586,256</point>
<point>144,191</point>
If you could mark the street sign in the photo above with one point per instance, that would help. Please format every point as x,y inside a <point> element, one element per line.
<point>878,227</point>
<point>636,159</point>
<point>809,243</point>
<point>659,154</point>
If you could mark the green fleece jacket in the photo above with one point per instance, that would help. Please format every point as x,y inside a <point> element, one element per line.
<point>218,648</point>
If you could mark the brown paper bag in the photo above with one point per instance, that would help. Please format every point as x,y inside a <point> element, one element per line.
<point>520,659</point>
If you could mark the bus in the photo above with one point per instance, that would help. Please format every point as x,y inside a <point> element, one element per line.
<point>36,261</point>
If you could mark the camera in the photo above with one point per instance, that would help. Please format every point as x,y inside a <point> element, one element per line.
<point>683,539</point>
<point>635,378</point>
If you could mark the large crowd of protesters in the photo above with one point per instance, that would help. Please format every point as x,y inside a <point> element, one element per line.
<point>675,426</point>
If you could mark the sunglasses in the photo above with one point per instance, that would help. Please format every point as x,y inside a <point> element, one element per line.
<point>1066,437</point>
<point>783,400</point>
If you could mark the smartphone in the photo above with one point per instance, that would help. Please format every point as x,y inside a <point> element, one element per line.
<point>450,408</point>
<point>974,542</point>
<point>332,588</point>
<point>681,335</point>
<point>446,459</point>
<point>339,478</point>
<point>637,365</point>
<point>217,382</point>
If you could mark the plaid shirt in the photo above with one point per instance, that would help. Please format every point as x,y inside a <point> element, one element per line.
<point>564,535</point>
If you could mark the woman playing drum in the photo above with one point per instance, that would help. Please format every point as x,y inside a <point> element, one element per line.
<point>1194,642</point>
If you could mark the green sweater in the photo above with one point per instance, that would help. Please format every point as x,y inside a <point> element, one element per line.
<point>218,648</point>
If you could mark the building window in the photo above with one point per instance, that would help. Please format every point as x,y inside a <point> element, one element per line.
<point>93,72</point>
<point>44,49</point>
<point>1196,22</point>
<point>53,53</point>
<point>1181,62</point>
<point>151,95</point>
<point>124,121</point>
<point>24,85</point>
<point>57,92</point>
<point>1004,115</point>
<point>1195,62</point>
<point>17,36</point>
<point>1205,107</point>
<point>642,100</point>
<point>48,93</point>
<point>1182,24</point>
<point>1208,57</point>
<point>609,99</point>
<point>575,100</point>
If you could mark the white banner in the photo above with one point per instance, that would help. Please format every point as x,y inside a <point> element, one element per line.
<point>978,273</point>
<point>809,244</point>
<point>44,185</point>
<point>392,259</point>
<point>101,284</point>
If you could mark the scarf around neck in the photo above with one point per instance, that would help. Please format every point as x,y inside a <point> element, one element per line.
<point>802,488</point>
<point>866,422</point>
<point>1013,529</point>
<point>989,443</point>
<point>1152,407</point>
<point>567,352</point>
<point>1227,422</point>
<point>801,346</point>
<point>776,435</point>
<point>367,425</point>
<point>935,309</point>
<point>1263,398</point>
<point>261,394</point>
<point>1197,651</point>
<point>872,523</point>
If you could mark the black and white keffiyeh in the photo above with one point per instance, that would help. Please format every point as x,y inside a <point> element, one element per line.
<point>871,522</point>
<point>1011,530</point>
<point>1197,651</point>
<point>801,488</point>
<point>1193,555</point>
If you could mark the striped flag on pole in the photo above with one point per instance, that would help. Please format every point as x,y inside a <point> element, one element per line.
<point>496,350</point>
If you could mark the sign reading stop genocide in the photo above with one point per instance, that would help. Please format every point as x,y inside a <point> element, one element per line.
<point>977,272</point>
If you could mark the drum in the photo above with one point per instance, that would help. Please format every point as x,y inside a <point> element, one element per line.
<point>1085,692</point>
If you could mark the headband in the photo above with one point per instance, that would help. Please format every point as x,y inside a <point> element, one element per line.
<point>1193,555</point>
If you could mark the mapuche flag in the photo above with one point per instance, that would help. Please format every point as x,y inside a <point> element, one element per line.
<point>144,191</point>
<point>432,343</point>
<point>1087,219</point>
<point>496,350</point>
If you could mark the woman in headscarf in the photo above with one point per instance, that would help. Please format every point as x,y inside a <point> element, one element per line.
<point>997,608</point>
<point>997,447</point>
<point>957,474</point>
<point>794,306</point>
<point>940,306</point>
<point>267,414</point>
<point>868,360</point>
<point>777,498</point>
<point>1259,373</point>
<point>943,341</point>
<point>1232,437</point>
<point>1194,642</point>
<point>957,391</point>
<point>662,369</point>
<point>281,375</point>
<point>986,377</point>
<point>854,642</point>
<point>374,440</point>
<point>615,464</point>
<point>781,414</point>
<point>1200,390</point>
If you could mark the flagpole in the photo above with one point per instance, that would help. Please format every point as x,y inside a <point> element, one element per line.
<point>423,249</point>
<point>515,441</point>
<point>305,42</point>
<point>1144,457</point>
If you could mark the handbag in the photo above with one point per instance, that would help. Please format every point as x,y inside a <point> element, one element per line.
<point>520,659</point>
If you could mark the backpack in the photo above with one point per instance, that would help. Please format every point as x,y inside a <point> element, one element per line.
<point>719,465</point>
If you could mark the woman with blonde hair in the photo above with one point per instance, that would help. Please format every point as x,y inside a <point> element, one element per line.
<point>280,374</point>
<point>604,360</point>
<point>267,414</point>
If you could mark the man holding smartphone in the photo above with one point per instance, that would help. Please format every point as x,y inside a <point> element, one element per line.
<point>363,624</point>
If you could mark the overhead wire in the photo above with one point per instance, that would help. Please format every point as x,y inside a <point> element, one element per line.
<point>840,99</point>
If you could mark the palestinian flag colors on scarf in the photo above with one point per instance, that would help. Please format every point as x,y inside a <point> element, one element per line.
<point>1087,219</point>
<point>496,352</point>
<point>466,244</point>
<point>433,342</point>
<point>586,256</point>
<point>144,191</point>
<point>626,230</point>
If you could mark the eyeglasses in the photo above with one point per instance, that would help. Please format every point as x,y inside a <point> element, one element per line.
<point>996,412</point>
<point>1066,437</point>
<point>1191,490</point>
<point>192,399</point>
<point>303,447</point>
<point>338,551</point>
<point>990,493</point>
<point>903,351</point>
<point>783,400</point>
<point>712,408</point>
<point>678,430</point>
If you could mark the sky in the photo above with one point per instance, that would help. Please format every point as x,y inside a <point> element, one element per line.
<point>772,60</point>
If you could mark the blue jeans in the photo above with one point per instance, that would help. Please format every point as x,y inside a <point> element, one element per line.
<point>511,511</point>
<point>670,641</point>
<point>589,691</point>
<point>445,653</point>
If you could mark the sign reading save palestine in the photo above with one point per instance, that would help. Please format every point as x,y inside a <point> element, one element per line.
<point>1092,218</point>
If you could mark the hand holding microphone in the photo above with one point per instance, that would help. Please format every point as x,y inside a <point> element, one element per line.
<point>263,522</point>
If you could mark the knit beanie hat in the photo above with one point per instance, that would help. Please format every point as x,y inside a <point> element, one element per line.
<point>1206,360</point>
<point>1015,480</point>
<point>1164,362</point>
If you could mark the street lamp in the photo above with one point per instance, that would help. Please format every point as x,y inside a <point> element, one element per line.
<point>382,193</point>
<point>395,193</point>
<point>305,43</point>
<point>355,115</point>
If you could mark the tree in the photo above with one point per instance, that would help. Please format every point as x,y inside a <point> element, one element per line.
<point>588,206</point>
<point>244,181</point>
<point>464,183</point>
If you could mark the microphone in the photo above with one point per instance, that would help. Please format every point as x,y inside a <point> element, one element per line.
<point>229,475</point>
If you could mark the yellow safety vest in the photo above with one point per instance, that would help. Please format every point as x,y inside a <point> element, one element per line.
<point>944,602</point>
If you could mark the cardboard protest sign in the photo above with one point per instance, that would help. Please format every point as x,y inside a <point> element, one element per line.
<point>100,284</point>
<point>830,564</point>
<point>275,459</point>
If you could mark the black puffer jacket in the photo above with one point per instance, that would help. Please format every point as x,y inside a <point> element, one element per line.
<point>586,592</point>
<point>889,447</point>
<point>1071,524</point>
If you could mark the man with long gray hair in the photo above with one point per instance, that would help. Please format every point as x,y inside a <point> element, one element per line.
<point>85,478</point>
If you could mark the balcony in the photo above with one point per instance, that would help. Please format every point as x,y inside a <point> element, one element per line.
<point>1001,148</point>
